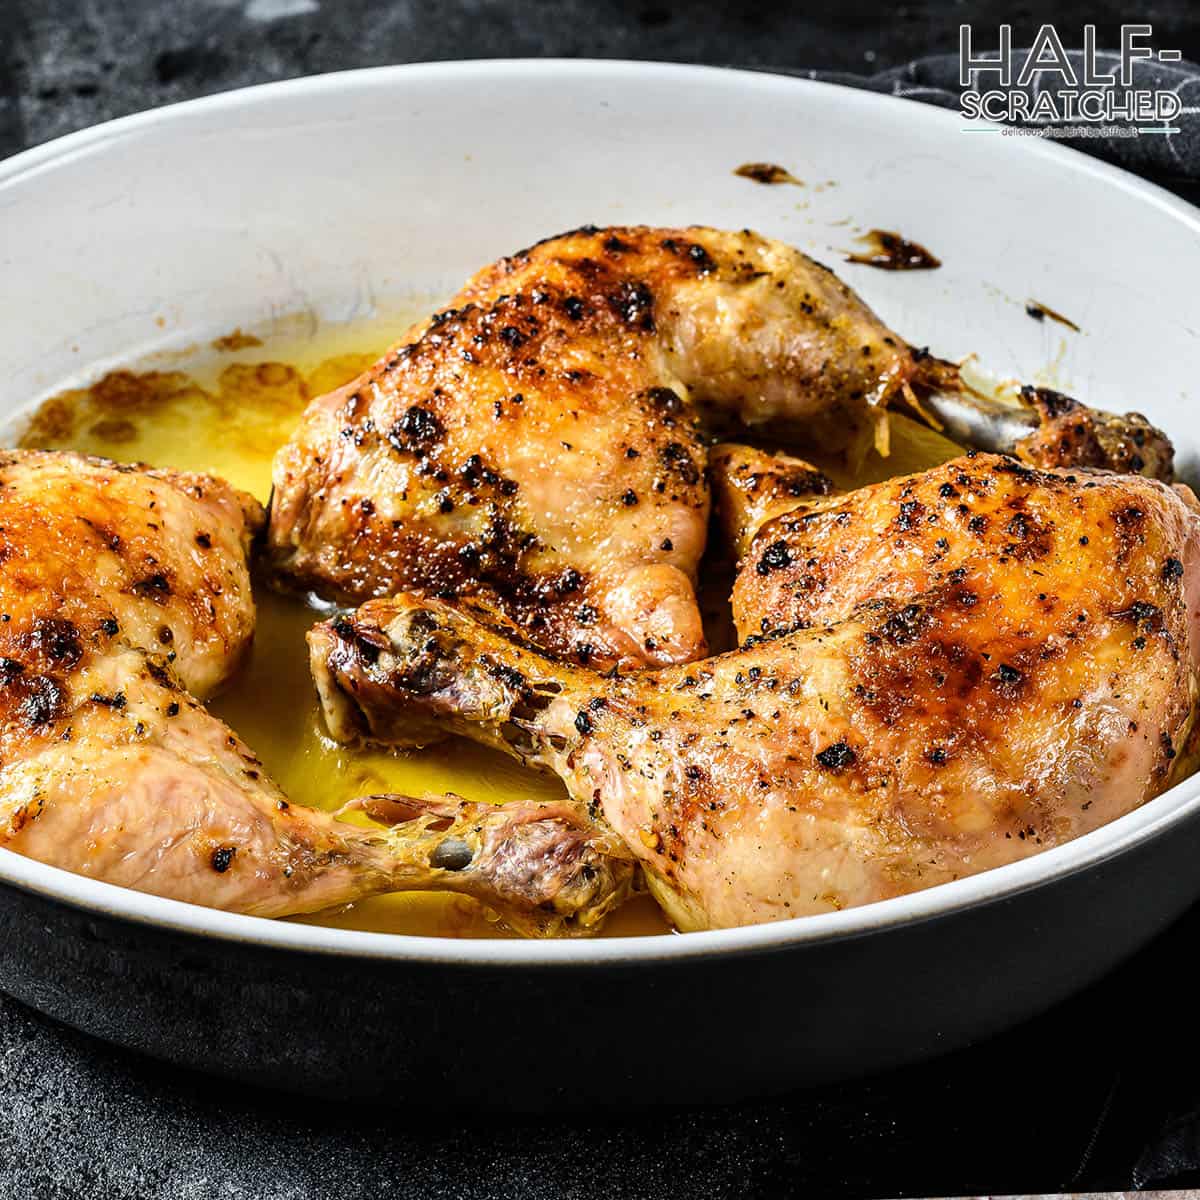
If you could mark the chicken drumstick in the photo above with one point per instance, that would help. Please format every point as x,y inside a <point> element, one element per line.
<point>124,597</point>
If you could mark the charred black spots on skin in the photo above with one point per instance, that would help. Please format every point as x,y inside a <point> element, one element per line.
<point>421,676</point>
<point>1172,570</point>
<point>154,587</point>
<point>418,429</point>
<point>508,676</point>
<point>107,536</point>
<point>905,625</point>
<point>568,582</point>
<point>1008,679</point>
<point>1147,617</point>
<point>1168,746</point>
<point>770,634</point>
<point>693,253</point>
<point>633,302</point>
<point>911,513</point>
<point>1048,402</point>
<point>40,699</point>
<point>1129,521</point>
<point>472,470</point>
<point>803,481</point>
<point>837,757</point>
<point>776,557</point>
<point>665,398</point>
<point>676,457</point>
<point>1032,538</point>
<point>159,673</point>
<point>367,644</point>
<point>704,262</point>
<point>57,640</point>
<point>222,858</point>
<point>1018,526</point>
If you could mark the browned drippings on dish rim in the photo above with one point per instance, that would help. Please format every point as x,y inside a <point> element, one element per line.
<point>1039,312</point>
<point>237,340</point>
<point>765,172</point>
<point>889,251</point>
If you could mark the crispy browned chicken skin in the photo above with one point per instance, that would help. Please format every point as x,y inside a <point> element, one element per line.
<point>124,597</point>
<point>945,673</point>
<point>540,451</point>
<point>538,443</point>
<point>541,444</point>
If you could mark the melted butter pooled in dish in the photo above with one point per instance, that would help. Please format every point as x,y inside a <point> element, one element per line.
<point>226,410</point>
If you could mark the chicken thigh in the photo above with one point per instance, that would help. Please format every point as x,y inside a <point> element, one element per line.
<point>969,665</point>
<point>542,443</point>
<point>124,599</point>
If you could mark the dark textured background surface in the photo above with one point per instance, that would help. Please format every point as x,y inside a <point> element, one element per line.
<point>75,62</point>
<point>1096,1094</point>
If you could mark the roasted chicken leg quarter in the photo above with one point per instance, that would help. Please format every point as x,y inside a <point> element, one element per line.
<point>941,674</point>
<point>124,601</point>
<point>542,443</point>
